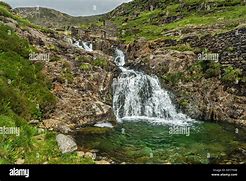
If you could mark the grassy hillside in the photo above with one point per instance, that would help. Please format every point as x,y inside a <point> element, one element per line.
<point>52,18</point>
<point>25,95</point>
<point>153,19</point>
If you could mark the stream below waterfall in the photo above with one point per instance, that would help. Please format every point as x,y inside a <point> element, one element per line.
<point>152,130</point>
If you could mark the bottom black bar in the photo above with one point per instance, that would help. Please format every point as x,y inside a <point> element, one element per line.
<point>47,172</point>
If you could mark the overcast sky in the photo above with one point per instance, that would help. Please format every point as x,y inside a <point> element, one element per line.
<point>72,7</point>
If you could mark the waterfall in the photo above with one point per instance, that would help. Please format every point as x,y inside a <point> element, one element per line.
<point>139,97</point>
<point>77,44</point>
<point>120,58</point>
<point>85,45</point>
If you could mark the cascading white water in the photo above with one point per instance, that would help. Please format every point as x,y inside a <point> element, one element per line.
<point>120,58</point>
<point>87,46</point>
<point>78,45</point>
<point>139,97</point>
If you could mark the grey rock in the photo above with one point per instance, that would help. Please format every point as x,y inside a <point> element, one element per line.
<point>11,25</point>
<point>80,154</point>
<point>63,128</point>
<point>90,155</point>
<point>66,143</point>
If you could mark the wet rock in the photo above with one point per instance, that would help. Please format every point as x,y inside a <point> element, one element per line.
<point>66,143</point>
<point>104,125</point>
<point>80,154</point>
<point>90,155</point>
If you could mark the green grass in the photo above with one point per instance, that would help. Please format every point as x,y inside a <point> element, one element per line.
<point>231,74</point>
<point>171,9</point>
<point>5,5</point>
<point>173,78</point>
<point>33,146</point>
<point>206,69</point>
<point>227,14</point>
<point>85,67</point>
<point>184,103</point>
<point>67,72</point>
<point>149,23</point>
<point>218,2</point>
<point>5,11</point>
<point>87,64</point>
<point>100,62</point>
<point>23,86</point>
<point>25,94</point>
<point>10,42</point>
<point>182,47</point>
<point>213,69</point>
<point>139,27</point>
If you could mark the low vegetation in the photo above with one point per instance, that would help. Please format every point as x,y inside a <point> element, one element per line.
<point>89,63</point>
<point>25,94</point>
<point>177,15</point>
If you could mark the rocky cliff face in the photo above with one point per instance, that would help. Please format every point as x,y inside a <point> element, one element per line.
<point>203,89</point>
<point>212,90</point>
<point>197,49</point>
<point>81,81</point>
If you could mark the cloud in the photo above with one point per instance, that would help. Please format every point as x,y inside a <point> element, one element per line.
<point>72,7</point>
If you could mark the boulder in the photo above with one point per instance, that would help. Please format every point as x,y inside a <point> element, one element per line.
<point>63,128</point>
<point>80,154</point>
<point>11,25</point>
<point>90,155</point>
<point>66,143</point>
